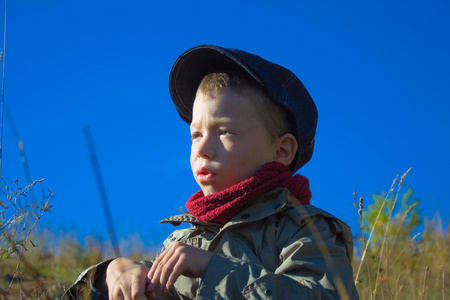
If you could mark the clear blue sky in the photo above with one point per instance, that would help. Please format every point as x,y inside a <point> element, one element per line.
<point>377,70</point>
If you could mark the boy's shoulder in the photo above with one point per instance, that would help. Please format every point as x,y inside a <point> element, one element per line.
<point>307,216</point>
<point>302,213</point>
<point>310,215</point>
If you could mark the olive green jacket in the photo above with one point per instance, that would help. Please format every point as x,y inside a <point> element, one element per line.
<point>270,250</point>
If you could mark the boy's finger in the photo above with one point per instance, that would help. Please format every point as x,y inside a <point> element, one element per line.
<point>156,262</point>
<point>155,277</point>
<point>165,269</point>
<point>177,270</point>
<point>168,271</point>
<point>116,294</point>
<point>137,287</point>
<point>160,260</point>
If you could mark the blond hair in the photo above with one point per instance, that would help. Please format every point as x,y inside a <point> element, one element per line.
<point>274,117</point>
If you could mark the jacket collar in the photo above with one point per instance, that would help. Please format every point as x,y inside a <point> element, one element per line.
<point>266,205</point>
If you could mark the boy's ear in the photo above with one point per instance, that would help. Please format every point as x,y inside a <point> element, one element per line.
<point>286,148</point>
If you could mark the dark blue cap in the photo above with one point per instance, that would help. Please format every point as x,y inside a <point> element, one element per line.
<point>281,84</point>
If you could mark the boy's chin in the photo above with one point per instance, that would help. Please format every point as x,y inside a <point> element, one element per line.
<point>209,190</point>
<point>212,189</point>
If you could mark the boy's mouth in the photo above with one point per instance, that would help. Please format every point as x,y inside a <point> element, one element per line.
<point>204,174</point>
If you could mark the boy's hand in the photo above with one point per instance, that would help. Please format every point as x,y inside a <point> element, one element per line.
<point>126,279</point>
<point>178,259</point>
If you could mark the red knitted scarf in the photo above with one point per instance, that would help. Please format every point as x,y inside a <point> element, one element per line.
<point>220,207</point>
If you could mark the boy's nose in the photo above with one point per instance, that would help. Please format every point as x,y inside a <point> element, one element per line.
<point>205,149</point>
<point>204,154</point>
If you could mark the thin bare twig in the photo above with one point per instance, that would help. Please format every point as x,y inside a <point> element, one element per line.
<point>425,282</point>
<point>3,94</point>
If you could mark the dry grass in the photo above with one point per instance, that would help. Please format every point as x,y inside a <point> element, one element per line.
<point>399,255</point>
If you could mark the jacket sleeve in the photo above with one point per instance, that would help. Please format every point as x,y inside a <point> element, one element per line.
<point>83,288</point>
<point>313,264</point>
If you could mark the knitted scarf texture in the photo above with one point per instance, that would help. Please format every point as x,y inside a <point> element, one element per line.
<point>220,207</point>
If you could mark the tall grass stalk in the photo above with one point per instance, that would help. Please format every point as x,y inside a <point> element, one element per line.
<point>404,256</point>
<point>366,246</point>
<point>2,58</point>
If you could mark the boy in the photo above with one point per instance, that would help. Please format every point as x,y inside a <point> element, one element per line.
<point>254,234</point>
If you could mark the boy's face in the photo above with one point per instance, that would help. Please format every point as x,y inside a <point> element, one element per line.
<point>229,142</point>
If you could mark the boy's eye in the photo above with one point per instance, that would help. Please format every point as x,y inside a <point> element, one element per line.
<point>195,135</point>
<point>224,132</point>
